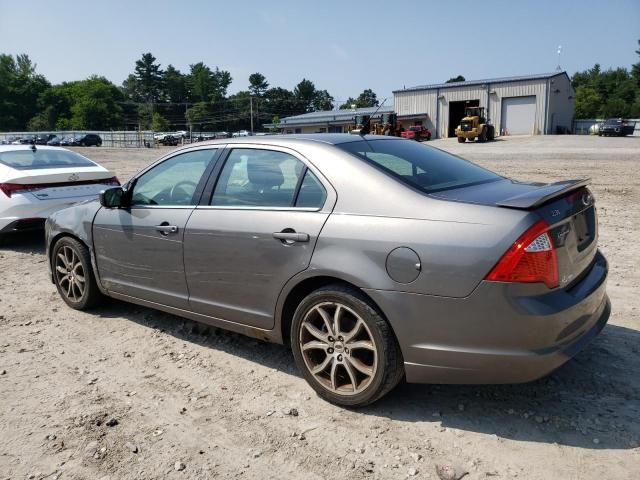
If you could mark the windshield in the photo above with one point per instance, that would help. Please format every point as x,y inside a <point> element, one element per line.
<point>419,166</point>
<point>28,159</point>
<point>613,121</point>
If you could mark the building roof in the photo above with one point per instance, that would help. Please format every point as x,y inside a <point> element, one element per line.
<point>332,116</point>
<point>468,83</point>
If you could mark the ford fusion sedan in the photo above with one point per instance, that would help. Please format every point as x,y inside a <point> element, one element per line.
<point>375,258</point>
<point>38,180</point>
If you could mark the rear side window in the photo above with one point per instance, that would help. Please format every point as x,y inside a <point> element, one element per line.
<point>419,166</point>
<point>28,159</point>
<point>312,194</point>
<point>258,178</point>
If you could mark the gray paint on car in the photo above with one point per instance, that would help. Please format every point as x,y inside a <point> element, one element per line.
<point>451,324</point>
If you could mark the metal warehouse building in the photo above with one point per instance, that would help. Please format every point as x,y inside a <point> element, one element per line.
<point>533,104</point>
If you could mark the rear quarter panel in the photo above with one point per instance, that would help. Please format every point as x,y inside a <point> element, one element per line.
<point>454,255</point>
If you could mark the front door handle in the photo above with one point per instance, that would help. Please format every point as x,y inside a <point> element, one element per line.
<point>166,229</point>
<point>291,236</point>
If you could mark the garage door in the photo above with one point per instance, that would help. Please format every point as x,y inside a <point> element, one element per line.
<point>519,115</point>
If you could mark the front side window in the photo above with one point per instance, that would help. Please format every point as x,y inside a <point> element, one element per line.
<point>419,166</point>
<point>258,178</point>
<point>174,181</point>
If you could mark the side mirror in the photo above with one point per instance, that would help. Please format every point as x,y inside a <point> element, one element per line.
<point>112,198</point>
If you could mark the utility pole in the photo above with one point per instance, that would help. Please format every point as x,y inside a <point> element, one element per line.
<point>251,106</point>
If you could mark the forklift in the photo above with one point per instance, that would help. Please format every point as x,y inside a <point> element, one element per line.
<point>475,125</point>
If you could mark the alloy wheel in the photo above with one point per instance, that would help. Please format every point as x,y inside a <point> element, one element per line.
<point>338,348</point>
<point>70,273</point>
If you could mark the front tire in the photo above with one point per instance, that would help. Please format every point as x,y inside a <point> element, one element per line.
<point>344,348</point>
<point>461,139</point>
<point>73,274</point>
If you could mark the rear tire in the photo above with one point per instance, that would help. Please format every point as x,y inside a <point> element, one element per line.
<point>344,348</point>
<point>73,274</point>
<point>461,139</point>
<point>483,136</point>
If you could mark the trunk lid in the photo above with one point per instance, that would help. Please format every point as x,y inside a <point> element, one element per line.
<point>567,207</point>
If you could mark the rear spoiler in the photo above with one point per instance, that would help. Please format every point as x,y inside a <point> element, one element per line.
<point>542,195</point>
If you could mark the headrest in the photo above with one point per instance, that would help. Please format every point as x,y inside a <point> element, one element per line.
<point>264,173</point>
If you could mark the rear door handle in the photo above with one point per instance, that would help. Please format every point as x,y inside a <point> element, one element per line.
<point>166,229</point>
<point>288,236</point>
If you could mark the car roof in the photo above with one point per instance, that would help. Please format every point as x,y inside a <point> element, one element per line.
<point>326,138</point>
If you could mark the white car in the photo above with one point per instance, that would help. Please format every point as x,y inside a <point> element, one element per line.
<point>36,181</point>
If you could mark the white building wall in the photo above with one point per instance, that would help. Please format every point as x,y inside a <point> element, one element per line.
<point>417,103</point>
<point>560,108</point>
<point>561,104</point>
<point>518,89</point>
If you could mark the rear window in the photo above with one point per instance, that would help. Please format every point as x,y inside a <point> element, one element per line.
<point>29,159</point>
<point>419,166</point>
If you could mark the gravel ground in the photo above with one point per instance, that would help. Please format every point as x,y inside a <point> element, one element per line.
<point>129,392</point>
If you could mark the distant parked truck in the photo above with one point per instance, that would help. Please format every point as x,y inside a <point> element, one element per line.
<point>616,127</point>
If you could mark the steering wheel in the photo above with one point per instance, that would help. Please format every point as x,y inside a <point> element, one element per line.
<point>178,186</point>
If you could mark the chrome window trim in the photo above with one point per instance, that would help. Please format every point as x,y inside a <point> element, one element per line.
<point>262,208</point>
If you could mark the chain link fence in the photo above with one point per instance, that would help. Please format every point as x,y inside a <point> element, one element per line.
<point>123,139</point>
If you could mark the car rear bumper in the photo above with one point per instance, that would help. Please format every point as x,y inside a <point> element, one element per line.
<point>24,207</point>
<point>501,333</point>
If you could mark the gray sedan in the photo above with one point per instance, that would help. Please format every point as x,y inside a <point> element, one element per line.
<point>374,258</point>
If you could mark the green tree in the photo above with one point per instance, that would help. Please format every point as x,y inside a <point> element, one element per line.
<point>635,68</point>
<point>175,84</point>
<point>131,89</point>
<point>305,94</point>
<point>588,102</point>
<point>145,116</point>
<point>280,101</point>
<point>200,116</point>
<point>96,104</point>
<point>367,98</point>
<point>208,85</point>
<point>459,78</point>
<point>148,76</point>
<point>349,103</point>
<point>258,84</point>
<point>20,89</point>
<point>322,101</point>
<point>275,121</point>
<point>159,123</point>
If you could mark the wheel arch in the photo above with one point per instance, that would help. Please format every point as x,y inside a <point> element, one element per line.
<point>296,293</point>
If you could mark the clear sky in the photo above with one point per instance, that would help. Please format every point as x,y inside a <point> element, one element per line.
<point>343,46</point>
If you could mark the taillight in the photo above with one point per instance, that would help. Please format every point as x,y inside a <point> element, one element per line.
<point>10,188</point>
<point>532,258</point>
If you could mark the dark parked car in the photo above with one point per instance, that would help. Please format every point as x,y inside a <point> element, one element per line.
<point>55,141</point>
<point>616,127</point>
<point>43,139</point>
<point>88,140</point>
<point>26,140</point>
<point>169,141</point>
<point>464,276</point>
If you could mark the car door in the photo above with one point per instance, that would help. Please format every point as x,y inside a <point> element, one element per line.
<point>139,249</point>
<point>255,231</point>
